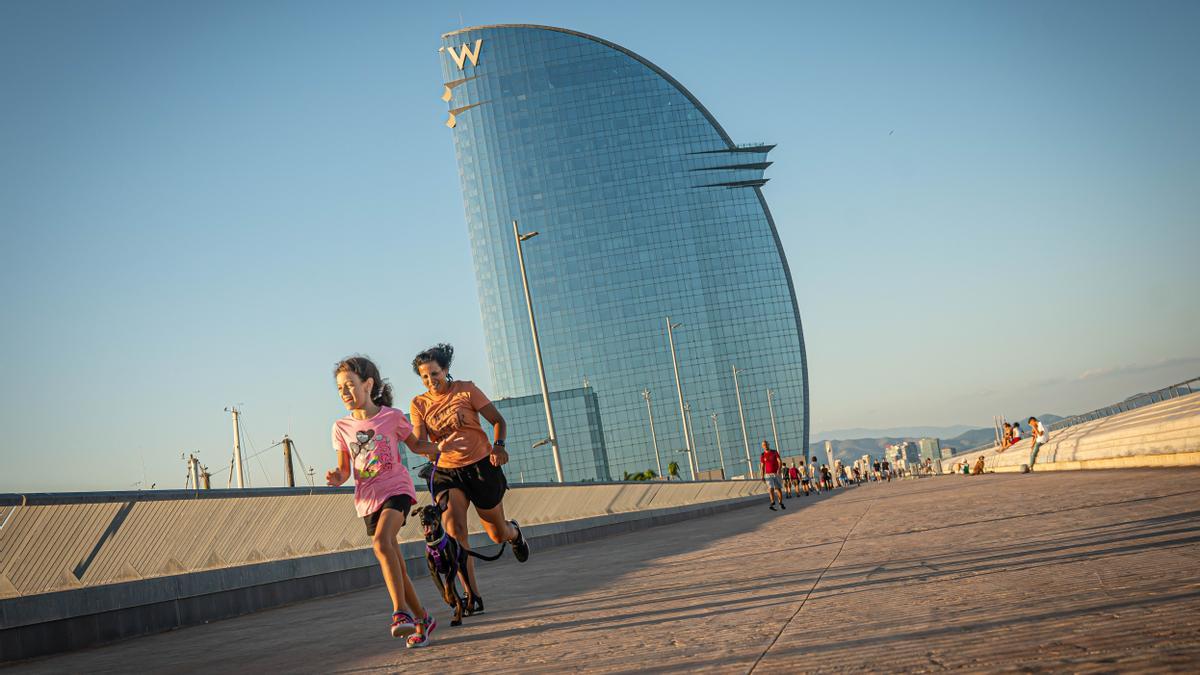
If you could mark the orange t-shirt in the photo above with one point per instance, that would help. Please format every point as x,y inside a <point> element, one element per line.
<point>452,420</point>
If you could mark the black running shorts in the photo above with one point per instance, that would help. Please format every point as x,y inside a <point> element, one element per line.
<point>401,503</point>
<point>483,484</point>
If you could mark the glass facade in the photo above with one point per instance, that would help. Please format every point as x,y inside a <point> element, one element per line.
<point>646,209</point>
<point>580,437</point>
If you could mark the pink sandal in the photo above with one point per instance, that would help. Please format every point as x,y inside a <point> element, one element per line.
<point>422,639</point>
<point>403,624</point>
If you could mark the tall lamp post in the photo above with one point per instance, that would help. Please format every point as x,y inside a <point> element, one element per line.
<point>771,407</point>
<point>745,439</point>
<point>653,436</point>
<point>720,452</point>
<point>687,408</point>
<point>537,351</point>
<point>679,390</point>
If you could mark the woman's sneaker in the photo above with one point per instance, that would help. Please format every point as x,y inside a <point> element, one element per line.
<point>520,546</point>
<point>402,624</point>
<point>422,639</point>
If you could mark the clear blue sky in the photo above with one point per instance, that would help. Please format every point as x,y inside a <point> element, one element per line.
<point>989,208</point>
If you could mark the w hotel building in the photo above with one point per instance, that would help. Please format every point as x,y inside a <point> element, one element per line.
<point>646,209</point>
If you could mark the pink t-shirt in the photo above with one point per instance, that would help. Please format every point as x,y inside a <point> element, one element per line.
<point>374,445</point>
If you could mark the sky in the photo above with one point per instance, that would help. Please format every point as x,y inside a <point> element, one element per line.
<point>988,209</point>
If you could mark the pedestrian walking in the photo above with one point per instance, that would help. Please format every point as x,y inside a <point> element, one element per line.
<point>794,475</point>
<point>769,463</point>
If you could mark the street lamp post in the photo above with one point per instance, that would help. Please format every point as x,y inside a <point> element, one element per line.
<point>741,414</point>
<point>679,390</point>
<point>720,452</point>
<point>537,352</point>
<point>687,408</point>
<point>653,436</point>
<point>771,407</point>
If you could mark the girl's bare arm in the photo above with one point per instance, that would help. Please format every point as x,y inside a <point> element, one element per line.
<point>421,445</point>
<point>339,475</point>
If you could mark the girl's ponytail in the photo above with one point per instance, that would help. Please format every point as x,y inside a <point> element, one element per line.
<point>365,369</point>
<point>383,393</point>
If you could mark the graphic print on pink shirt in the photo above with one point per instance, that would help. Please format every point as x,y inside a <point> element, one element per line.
<point>371,454</point>
<point>373,445</point>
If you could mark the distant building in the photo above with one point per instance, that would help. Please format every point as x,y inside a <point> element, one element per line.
<point>931,449</point>
<point>902,455</point>
<point>580,431</point>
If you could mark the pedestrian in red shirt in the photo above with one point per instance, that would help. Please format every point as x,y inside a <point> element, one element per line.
<point>770,463</point>
<point>794,474</point>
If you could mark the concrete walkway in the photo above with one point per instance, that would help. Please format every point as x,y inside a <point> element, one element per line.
<point>1074,571</point>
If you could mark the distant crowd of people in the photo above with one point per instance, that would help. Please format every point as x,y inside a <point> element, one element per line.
<point>802,478</point>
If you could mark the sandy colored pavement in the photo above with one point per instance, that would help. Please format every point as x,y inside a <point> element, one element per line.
<point>1071,571</point>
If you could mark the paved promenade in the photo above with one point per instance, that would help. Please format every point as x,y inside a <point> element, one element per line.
<point>1069,571</point>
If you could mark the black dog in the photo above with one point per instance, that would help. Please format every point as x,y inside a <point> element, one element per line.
<point>447,562</point>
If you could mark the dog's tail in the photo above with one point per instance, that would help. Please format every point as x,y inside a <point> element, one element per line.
<point>489,558</point>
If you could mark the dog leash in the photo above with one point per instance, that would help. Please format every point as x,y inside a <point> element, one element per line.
<point>429,478</point>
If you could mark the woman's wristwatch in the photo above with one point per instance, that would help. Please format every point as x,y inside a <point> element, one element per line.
<point>499,443</point>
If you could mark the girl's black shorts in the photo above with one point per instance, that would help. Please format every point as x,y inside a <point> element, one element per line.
<point>401,503</point>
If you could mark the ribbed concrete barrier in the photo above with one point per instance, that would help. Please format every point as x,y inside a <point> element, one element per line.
<point>1160,434</point>
<point>83,569</point>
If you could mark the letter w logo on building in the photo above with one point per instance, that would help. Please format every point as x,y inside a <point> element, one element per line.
<point>460,57</point>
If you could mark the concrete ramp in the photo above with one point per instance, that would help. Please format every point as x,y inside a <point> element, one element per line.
<point>1159,435</point>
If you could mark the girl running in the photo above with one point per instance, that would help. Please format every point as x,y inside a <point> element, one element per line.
<point>367,444</point>
<point>468,469</point>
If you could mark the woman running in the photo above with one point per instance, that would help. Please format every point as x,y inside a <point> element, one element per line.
<point>468,468</point>
<point>367,443</point>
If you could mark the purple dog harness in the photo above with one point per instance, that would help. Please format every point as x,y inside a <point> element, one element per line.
<point>438,553</point>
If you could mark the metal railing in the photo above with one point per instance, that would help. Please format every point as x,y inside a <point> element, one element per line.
<point>1132,403</point>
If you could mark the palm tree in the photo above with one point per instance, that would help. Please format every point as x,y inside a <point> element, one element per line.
<point>672,470</point>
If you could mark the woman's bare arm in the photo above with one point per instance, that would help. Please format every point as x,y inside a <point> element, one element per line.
<point>499,455</point>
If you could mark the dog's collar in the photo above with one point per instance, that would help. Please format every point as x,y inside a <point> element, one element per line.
<point>441,543</point>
